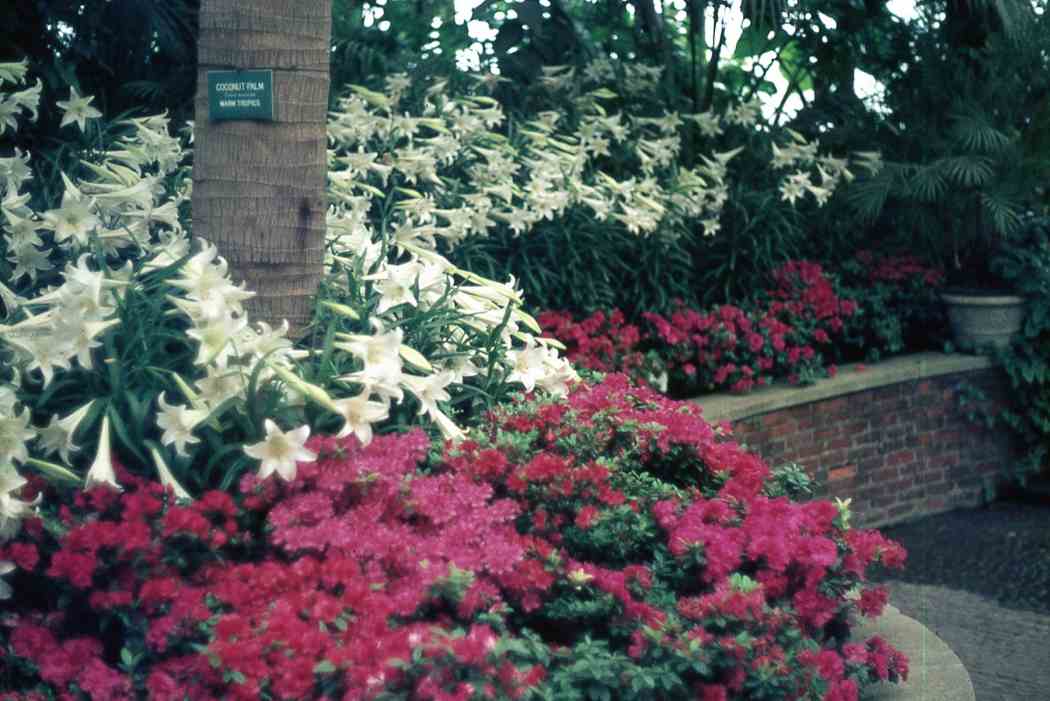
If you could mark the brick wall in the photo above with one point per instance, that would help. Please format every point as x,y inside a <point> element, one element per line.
<point>899,451</point>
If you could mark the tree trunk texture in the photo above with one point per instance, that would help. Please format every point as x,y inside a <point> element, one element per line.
<point>259,187</point>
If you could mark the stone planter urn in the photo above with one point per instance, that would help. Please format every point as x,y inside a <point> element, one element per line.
<point>982,319</point>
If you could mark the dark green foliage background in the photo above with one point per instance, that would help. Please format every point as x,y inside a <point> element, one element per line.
<point>964,127</point>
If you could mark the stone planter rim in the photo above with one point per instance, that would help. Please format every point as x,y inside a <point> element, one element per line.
<point>981,299</point>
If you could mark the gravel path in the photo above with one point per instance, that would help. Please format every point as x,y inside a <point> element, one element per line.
<point>980,579</point>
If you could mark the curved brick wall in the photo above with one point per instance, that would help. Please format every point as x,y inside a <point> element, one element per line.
<point>892,437</point>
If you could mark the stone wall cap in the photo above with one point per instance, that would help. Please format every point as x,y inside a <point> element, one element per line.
<point>935,673</point>
<point>856,377</point>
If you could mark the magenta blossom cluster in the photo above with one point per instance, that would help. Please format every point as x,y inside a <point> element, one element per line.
<point>898,269</point>
<point>614,538</point>
<point>602,342</point>
<point>782,336</point>
<point>793,331</point>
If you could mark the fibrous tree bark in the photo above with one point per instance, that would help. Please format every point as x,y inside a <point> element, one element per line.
<point>259,187</point>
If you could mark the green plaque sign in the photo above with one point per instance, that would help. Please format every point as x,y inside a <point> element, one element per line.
<point>240,95</point>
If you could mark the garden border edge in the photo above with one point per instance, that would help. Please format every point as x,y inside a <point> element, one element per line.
<point>856,377</point>
<point>936,673</point>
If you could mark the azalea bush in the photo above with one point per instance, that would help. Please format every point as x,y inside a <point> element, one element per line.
<point>781,336</point>
<point>898,305</point>
<point>605,343</point>
<point>797,330</point>
<point>610,545</point>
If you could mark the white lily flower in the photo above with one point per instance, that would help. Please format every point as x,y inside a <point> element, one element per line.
<point>166,478</point>
<point>15,170</point>
<point>57,436</point>
<point>75,219</point>
<point>280,451</point>
<point>795,186</point>
<point>177,422</point>
<point>15,434</point>
<point>215,338</point>
<point>461,366</point>
<point>783,157</point>
<point>821,194</point>
<point>168,251</point>
<point>395,287</point>
<point>449,430</point>
<point>745,114</point>
<point>559,375</point>
<point>359,413</point>
<point>7,400</point>
<point>14,203</point>
<point>6,567</point>
<point>10,300</point>
<point>14,72</point>
<point>12,509</point>
<point>166,214</point>
<point>77,109</point>
<point>29,99</point>
<point>381,355</point>
<point>387,388</point>
<point>9,111</point>
<point>101,470</point>
<point>429,390</point>
<point>527,365</point>
<point>28,260</point>
<point>83,341</point>
<point>205,277</point>
<point>48,353</point>
<point>219,385</point>
<point>265,341</point>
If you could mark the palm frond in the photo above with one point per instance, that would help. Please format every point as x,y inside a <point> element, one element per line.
<point>173,25</point>
<point>148,90</point>
<point>968,170</point>
<point>1005,214</point>
<point>868,196</point>
<point>1013,14</point>
<point>975,133</point>
<point>928,183</point>
<point>763,13</point>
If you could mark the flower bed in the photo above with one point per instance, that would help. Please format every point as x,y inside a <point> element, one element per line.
<point>612,543</point>
<point>796,331</point>
<point>195,506</point>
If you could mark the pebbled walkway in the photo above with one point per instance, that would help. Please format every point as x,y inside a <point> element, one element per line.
<point>1006,651</point>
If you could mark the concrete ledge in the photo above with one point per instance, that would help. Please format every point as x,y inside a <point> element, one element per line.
<point>935,672</point>
<point>850,378</point>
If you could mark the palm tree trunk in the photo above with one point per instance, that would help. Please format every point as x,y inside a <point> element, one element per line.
<point>259,187</point>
